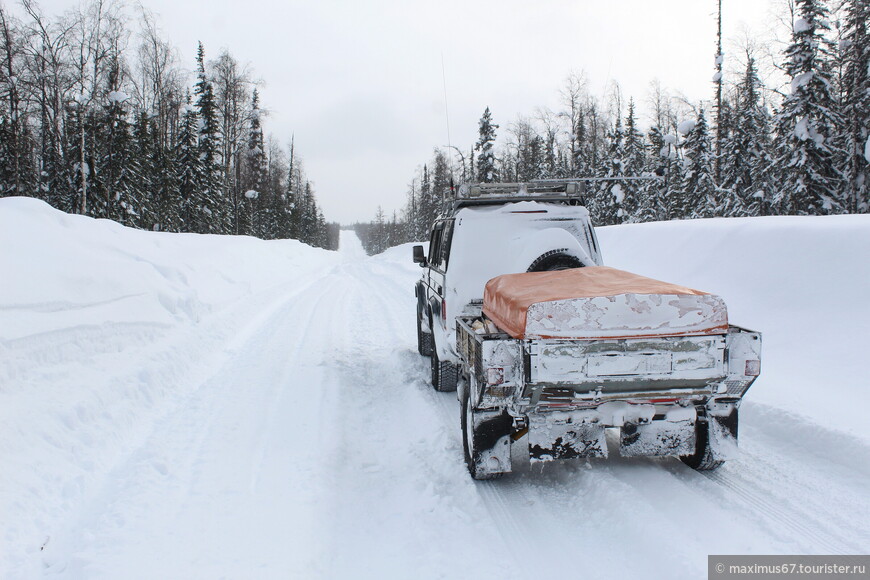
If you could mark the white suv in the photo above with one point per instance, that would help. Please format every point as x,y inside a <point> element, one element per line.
<point>488,230</point>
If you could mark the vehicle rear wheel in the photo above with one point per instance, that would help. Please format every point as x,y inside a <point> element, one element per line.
<point>555,260</point>
<point>424,340</point>
<point>445,375</point>
<point>703,458</point>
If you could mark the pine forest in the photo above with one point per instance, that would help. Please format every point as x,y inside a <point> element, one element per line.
<point>100,121</point>
<point>751,150</point>
<point>99,116</point>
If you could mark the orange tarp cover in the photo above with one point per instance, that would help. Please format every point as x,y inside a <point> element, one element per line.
<point>598,301</point>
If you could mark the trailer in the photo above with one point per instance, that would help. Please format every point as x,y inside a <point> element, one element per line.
<point>663,368</point>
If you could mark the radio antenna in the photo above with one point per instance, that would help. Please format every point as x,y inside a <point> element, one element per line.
<point>447,118</point>
<point>446,108</point>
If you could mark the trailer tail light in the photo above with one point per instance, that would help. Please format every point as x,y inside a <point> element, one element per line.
<point>753,368</point>
<point>494,376</point>
<point>444,310</point>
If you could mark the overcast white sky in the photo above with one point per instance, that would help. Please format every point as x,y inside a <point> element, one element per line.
<point>359,83</point>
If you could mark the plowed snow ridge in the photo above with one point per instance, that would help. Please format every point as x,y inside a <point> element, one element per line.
<point>268,415</point>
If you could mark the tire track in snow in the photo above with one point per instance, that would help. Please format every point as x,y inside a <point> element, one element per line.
<point>399,510</point>
<point>797,485</point>
<point>168,469</point>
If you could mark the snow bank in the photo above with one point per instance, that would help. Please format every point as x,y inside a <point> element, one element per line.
<point>802,281</point>
<point>103,330</point>
<point>68,270</point>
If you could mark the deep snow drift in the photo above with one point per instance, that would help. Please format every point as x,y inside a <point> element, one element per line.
<point>803,282</point>
<point>187,406</point>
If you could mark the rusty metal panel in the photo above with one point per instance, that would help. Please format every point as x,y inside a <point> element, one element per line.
<point>658,438</point>
<point>563,436</point>
<point>628,360</point>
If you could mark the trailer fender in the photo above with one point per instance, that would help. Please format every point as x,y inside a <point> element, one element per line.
<point>722,429</point>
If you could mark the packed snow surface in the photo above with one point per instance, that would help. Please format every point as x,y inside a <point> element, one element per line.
<point>188,406</point>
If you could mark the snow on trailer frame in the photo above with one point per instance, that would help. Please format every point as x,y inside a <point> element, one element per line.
<point>683,409</point>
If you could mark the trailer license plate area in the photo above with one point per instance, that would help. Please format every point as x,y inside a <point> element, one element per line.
<point>608,365</point>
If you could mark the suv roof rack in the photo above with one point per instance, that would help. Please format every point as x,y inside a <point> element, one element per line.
<point>569,191</point>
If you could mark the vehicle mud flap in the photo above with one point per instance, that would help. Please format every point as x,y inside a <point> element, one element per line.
<point>722,429</point>
<point>658,438</point>
<point>492,442</point>
<point>557,435</point>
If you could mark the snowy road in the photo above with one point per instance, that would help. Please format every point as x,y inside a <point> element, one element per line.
<point>317,450</point>
<point>311,446</point>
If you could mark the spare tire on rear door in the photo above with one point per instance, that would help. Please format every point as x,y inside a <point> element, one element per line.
<point>555,260</point>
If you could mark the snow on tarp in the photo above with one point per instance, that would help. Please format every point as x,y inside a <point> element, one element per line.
<point>599,302</point>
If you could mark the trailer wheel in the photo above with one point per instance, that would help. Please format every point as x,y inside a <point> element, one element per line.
<point>472,455</point>
<point>555,260</point>
<point>445,375</point>
<point>424,340</point>
<point>703,458</point>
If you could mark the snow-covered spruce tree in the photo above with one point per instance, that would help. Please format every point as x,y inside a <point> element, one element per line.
<point>550,140</point>
<point>441,180</point>
<point>727,202</point>
<point>275,206</point>
<point>114,178</point>
<point>856,105</point>
<point>69,183</point>
<point>412,213</point>
<point>746,157</point>
<point>721,115</point>
<point>697,195</point>
<point>429,206</point>
<point>7,152</point>
<point>319,234</point>
<point>293,195</point>
<point>633,166</point>
<point>528,155</point>
<point>208,213</point>
<point>17,175</point>
<point>165,197</point>
<point>653,205</point>
<point>118,169</point>
<point>308,216</point>
<point>254,172</point>
<point>486,169</point>
<point>609,197</point>
<point>531,159</point>
<point>190,168</point>
<point>379,235</point>
<point>808,180</point>
<point>139,204</point>
<point>580,159</point>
